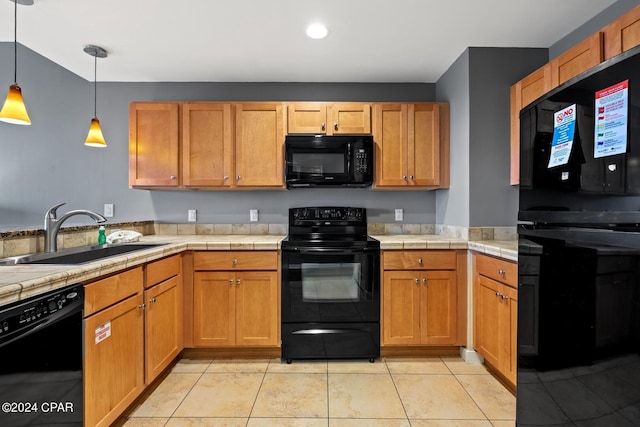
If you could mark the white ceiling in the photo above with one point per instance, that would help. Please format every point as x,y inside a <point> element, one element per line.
<point>265,41</point>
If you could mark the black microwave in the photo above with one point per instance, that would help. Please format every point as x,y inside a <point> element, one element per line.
<point>328,160</point>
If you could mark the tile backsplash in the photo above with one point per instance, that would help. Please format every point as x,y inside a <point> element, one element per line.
<point>13,243</point>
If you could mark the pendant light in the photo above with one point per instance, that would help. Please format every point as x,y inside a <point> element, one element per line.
<point>95,138</point>
<point>13,111</point>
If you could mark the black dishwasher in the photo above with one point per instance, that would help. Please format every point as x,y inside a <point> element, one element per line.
<point>41,351</point>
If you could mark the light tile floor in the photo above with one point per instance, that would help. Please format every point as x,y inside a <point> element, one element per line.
<point>393,392</point>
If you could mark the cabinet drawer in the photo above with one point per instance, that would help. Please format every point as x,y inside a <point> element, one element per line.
<point>159,271</point>
<point>235,260</point>
<point>497,269</point>
<point>108,291</point>
<point>419,260</point>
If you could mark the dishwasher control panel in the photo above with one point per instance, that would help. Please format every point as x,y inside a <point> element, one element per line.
<point>30,312</point>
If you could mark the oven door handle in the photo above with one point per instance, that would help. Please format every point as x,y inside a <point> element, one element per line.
<point>320,331</point>
<point>309,251</point>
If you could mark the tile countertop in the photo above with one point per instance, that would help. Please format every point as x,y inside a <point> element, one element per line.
<point>22,281</point>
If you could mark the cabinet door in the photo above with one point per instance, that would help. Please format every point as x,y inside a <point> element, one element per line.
<point>349,118</point>
<point>390,136</point>
<point>522,94</point>
<point>163,328</point>
<point>257,308</point>
<point>307,117</point>
<point>584,55</point>
<point>438,311</point>
<point>214,309</point>
<point>259,145</point>
<point>401,308</point>
<point>206,145</point>
<point>487,315</point>
<point>113,361</point>
<point>622,34</point>
<point>509,307</point>
<point>153,144</point>
<point>423,131</point>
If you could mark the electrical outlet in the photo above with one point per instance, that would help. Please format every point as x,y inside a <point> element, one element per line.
<point>191,215</point>
<point>253,215</point>
<point>399,214</point>
<point>108,210</point>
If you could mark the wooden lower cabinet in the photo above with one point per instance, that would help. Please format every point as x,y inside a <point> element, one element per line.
<point>114,351</point>
<point>496,313</point>
<point>235,309</point>
<point>422,298</point>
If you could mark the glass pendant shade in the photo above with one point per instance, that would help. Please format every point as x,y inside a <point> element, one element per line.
<point>13,111</point>
<point>95,138</point>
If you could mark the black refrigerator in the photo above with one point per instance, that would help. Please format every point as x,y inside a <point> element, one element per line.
<point>579,251</point>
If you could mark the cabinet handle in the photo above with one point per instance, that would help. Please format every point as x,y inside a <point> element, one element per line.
<point>323,126</point>
<point>335,126</point>
<point>237,281</point>
<point>235,261</point>
<point>420,261</point>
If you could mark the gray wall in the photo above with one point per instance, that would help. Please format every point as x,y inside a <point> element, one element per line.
<point>452,205</point>
<point>46,163</point>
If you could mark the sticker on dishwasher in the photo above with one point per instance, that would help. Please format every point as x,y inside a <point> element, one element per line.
<point>103,332</point>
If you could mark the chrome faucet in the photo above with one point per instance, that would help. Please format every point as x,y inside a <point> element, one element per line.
<point>52,224</point>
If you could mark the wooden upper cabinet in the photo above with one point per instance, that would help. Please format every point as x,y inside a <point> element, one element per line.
<point>622,34</point>
<point>329,118</point>
<point>207,145</point>
<point>412,145</point>
<point>581,57</point>
<point>259,141</point>
<point>154,144</point>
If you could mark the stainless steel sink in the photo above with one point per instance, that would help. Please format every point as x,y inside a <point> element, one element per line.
<point>78,255</point>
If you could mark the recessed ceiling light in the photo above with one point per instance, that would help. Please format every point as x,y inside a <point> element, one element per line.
<point>317,31</point>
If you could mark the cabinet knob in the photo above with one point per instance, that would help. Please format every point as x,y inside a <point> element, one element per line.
<point>237,281</point>
<point>411,177</point>
<point>501,272</point>
<point>238,177</point>
<point>323,126</point>
<point>404,177</point>
<point>498,294</point>
<point>420,261</point>
<point>231,281</point>
<point>235,261</point>
<point>417,280</point>
<point>424,280</point>
<point>226,177</point>
<point>504,297</point>
<point>335,126</point>
<point>141,306</point>
<point>172,177</point>
<point>152,301</point>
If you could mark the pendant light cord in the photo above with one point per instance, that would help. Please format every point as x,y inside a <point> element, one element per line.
<point>15,42</point>
<point>95,85</point>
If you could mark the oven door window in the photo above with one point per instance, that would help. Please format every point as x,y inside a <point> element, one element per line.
<point>336,287</point>
<point>330,282</point>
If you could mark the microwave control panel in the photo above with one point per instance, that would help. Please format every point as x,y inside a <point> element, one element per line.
<point>361,161</point>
